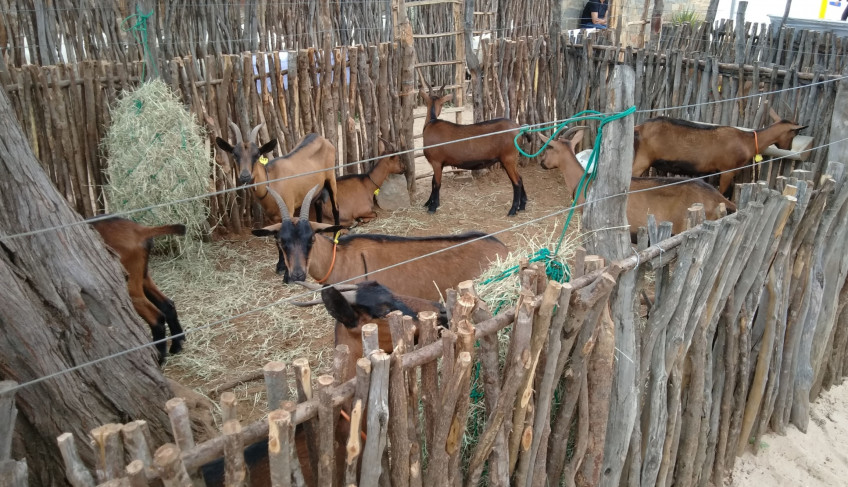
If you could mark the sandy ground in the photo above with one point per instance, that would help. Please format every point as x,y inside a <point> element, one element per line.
<point>817,458</point>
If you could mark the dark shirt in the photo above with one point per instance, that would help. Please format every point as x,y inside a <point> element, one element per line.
<point>593,6</point>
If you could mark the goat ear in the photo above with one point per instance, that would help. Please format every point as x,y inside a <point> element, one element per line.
<point>424,94</point>
<point>577,138</point>
<point>799,128</point>
<point>269,231</point>
<point>268,147</point>
<point>224,145</point>
<point>338,307</point>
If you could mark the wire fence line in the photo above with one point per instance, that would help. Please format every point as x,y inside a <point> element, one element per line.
<point>290,299</point>
<point>550,124</point>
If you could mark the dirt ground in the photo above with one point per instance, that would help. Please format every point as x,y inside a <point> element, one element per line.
<point>818,458</point>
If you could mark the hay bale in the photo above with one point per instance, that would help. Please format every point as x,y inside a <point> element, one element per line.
<point>157,156</point>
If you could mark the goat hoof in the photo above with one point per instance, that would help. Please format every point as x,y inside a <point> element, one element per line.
<point>176,347</point>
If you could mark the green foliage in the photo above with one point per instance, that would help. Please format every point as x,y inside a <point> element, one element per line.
<point>685,16</point>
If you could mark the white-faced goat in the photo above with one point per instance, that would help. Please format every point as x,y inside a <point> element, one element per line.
<point>375,257</point>
<point>312,161</point>
<point>356,192</point>
<point>688,148</point>
<point>647,195</point>
<point>476,153</point>
<point>132,243</point>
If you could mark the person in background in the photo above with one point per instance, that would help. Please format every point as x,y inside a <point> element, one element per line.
<point>594,15</point>
<point>845,13</point>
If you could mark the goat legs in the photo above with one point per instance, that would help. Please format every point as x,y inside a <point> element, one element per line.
<point>147,310</point>
<point>519,196</point>
<point>166,306</point>
<point>724,181</point>
<point>433,201</point>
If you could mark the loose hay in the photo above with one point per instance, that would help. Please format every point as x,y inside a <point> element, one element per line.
<point>157,155</point>
<point>228,279</point>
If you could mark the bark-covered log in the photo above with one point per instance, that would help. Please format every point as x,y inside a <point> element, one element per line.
<point>65,304</point>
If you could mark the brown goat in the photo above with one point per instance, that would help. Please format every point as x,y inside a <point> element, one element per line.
<point>361,256</point>
<point>356,192</point>
<point>311,155</point>
<point>471,154</point>
<point>688,148</point>
<point>132,243</point>
<point>666,203</point>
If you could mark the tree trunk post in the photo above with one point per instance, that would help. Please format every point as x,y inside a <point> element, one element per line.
<point>606,222</point>
<point>66,304</point>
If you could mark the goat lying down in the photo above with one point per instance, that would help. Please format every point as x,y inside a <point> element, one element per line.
<point>356,192</point>
<point>691,149</point>
<point>312,154</point>
<point>132,242</point>
<point>476,153</point>
<point>666,203</point>
<point>361,256</point>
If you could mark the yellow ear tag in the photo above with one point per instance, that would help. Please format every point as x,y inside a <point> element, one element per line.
<point>263,160</point>
<point>758,158</point>
<point>376,191</point>
<point>336,237</point>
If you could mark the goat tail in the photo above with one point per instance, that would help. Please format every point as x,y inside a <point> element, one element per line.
<point>176,229</point>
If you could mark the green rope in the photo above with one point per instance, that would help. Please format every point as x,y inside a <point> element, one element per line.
<point>139,31</point>
<point>555,269</point>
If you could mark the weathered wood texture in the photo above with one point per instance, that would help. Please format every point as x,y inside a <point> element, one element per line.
<point>63,308</point>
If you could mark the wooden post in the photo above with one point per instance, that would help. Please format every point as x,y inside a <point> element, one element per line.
<point>614,172</point>
<point>839,121</point>
<point>378,412</point>
<point>170,466</point>
<point>75,471</point>
<point>135,442</point>
<point>12,473</point>
<point>276,383</point>
<point>280,442</point>
<point>229,408</point>
<point>407,91</point>
<point>110,457</point>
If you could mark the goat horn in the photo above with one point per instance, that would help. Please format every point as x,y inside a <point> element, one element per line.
<point>236,131</point>
<point>389,146</point>
<point>774,115</point>
<point>284,210</point>
<point>304,304</point>
<point>314,286</point>
<point>309,285</point>
<point>304,209</point>
<point>255,132</point>
<point>572,130</point>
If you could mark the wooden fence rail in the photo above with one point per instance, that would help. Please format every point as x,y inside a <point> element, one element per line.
<point>744,322</point>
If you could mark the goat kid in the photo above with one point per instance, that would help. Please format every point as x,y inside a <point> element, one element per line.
<point>361,256</point>
<point>311,155</point>
<point>666,203</point>
<point>132,242</point>
<point>472,154</point>
<point>688,148</point>
<point>356,192</point>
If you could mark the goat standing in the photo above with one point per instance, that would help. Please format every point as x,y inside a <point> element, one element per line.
<point>361,256</point>
<point>132,243</point>
<point>472,154</point>
<point>688,148</point>
<point>311,155</point>
<point>666,203</point>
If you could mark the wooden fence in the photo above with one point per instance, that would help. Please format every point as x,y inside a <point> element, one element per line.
<point>47,33</point>
<point>65,109</point>
<point>536,80</point>
<point>744,322</point>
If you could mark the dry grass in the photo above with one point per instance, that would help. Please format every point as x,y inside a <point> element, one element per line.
<point>157,154</point>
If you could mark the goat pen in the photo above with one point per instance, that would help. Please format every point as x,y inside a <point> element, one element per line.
<point>747,324</point>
